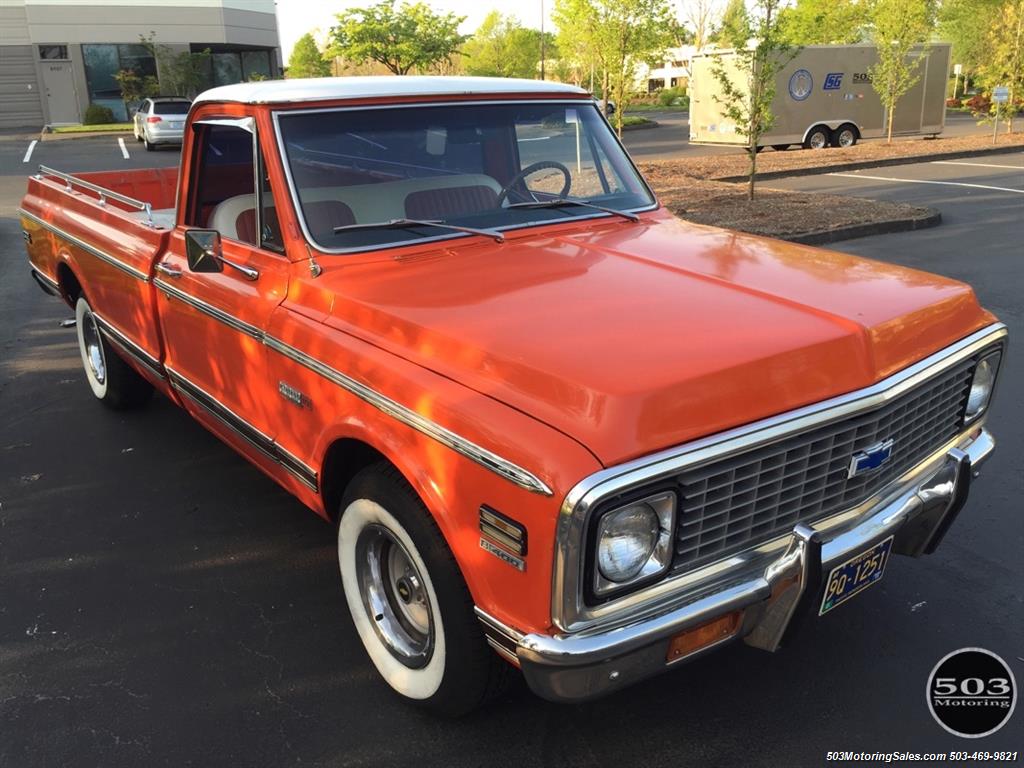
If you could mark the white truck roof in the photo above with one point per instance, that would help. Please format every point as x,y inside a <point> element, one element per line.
<point>335,88</point>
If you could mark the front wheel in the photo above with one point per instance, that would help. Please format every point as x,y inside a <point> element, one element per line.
<point>111,379</point>
<point>407,598</point>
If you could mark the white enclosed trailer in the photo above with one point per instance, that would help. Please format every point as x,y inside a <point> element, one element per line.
<point>823,97</point>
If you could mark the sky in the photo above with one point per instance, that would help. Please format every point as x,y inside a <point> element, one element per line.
<point>297,17</point>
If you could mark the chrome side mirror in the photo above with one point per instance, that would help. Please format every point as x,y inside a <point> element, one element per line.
<point>204,251</point>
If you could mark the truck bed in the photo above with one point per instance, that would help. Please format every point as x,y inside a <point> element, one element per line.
<point>108,228</point>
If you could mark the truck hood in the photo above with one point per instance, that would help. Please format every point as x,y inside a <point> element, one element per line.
<point>632,337</point>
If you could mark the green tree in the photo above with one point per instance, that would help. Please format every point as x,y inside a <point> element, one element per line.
<point>1004,64</point>
<point>824,22</point>
<point>412,36</point>
<point>747,79</point>
<point>898,26</point>
<point>734,24</point>
<point>306,59</point>
<point>134,88</point>
<point>502,47</point>
<point>966,24</point>
<point>181,73</point>
<point>578,42</point>
<point>615,36</point>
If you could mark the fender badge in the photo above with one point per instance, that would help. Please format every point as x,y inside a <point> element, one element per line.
<point>292,395</point>
<point>502,555</point>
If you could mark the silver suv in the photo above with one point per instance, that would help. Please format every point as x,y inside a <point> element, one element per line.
<point>160,121</point>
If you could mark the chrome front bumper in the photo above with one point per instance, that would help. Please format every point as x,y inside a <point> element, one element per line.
<point>917,512</point>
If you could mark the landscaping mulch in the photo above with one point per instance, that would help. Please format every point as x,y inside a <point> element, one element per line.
<point>796,161</point>
<point>798,216</point>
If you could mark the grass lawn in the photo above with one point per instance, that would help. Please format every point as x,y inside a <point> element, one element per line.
<point>654,108</point>
<point>106,127</point>
<point>631,121</point>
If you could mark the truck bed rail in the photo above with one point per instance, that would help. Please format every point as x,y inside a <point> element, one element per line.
<point>72,181</point>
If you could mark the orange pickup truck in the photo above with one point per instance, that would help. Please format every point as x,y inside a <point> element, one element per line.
<point>554,425</point>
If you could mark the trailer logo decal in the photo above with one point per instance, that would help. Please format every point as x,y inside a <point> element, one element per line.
<point>833,81</point>
<point>801,84</point>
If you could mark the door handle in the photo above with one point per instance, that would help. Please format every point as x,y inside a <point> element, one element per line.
<point>163,269</point>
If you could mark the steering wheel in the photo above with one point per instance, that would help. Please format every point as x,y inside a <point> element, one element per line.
<point>533,169</point>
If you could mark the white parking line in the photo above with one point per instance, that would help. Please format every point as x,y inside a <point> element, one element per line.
<point>28,152</point>
<point>124,149</point>
<point>979,165</point>
<point>924,181</point>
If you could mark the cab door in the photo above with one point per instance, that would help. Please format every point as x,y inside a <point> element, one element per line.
<point>213,321</point>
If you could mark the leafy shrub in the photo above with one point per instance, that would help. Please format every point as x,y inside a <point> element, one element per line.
<point>97,114</point>
<point>670,97</point>
<point>953,103</point>
<point>979,103</point>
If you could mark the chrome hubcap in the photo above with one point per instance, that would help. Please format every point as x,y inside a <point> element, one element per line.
<point>846,138</point>
<point>393,596</point>
<point>817,140</point>
<point>93,348</point>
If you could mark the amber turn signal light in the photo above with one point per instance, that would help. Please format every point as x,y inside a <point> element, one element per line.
<point>692,640</point>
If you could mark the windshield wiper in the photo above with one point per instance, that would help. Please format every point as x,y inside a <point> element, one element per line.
<point>559,201</point>
<point>403,223</point>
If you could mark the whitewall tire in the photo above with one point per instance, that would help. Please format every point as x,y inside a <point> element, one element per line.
<point>407,598</point>
<point>113,382</point>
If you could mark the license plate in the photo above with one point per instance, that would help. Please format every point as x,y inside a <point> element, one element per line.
<point>175,125</point>
<point>855,575</point>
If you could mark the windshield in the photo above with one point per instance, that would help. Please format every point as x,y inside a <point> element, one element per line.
<point>473,165</point>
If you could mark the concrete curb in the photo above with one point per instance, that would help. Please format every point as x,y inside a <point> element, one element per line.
<point>818,170</point>
<point>932,219</point>
<point>44,136</point>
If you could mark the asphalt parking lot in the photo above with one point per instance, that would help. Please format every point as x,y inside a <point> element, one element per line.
<point>163,603</point>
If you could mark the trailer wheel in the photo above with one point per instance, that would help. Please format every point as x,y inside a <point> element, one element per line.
<point>845,136</point>
<point>819,137</point>
<point>780,147</point>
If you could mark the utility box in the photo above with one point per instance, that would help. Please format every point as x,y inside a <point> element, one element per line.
<point>823,97</point>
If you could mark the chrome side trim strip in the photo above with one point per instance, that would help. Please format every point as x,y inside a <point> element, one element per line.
<point>208,309</point>
<point>119,339</point>
<point>568,610</point>
<point>409,417</point>
<point>79,243</point>
<point>257,439</point>
<point>46,282</point>
<point>512,472</point>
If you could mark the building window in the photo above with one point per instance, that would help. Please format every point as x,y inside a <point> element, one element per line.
<point>102,62</point>
<point>49,52</point>
<point>236,66</point>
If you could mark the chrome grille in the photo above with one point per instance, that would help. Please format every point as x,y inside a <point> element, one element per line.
<point>747,499</point>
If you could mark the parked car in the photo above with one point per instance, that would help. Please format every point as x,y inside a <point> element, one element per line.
<point>160,121</point>
<point>554,425</point>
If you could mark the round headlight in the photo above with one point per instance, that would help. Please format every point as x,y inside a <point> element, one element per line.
<point>626,540</point>
<point>981,388</point>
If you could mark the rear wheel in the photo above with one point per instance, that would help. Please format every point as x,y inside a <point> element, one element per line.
<point>150,146</point>
<point>408,600</point>
<point>111,379</point>
<point>819,137</point>
<point>845,136</point>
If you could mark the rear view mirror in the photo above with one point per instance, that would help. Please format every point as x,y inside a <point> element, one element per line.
<point>203,250</point>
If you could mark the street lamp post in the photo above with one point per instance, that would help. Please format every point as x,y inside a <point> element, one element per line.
<point>542,41</point>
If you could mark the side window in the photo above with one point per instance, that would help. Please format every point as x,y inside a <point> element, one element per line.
<point>223,191</point>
